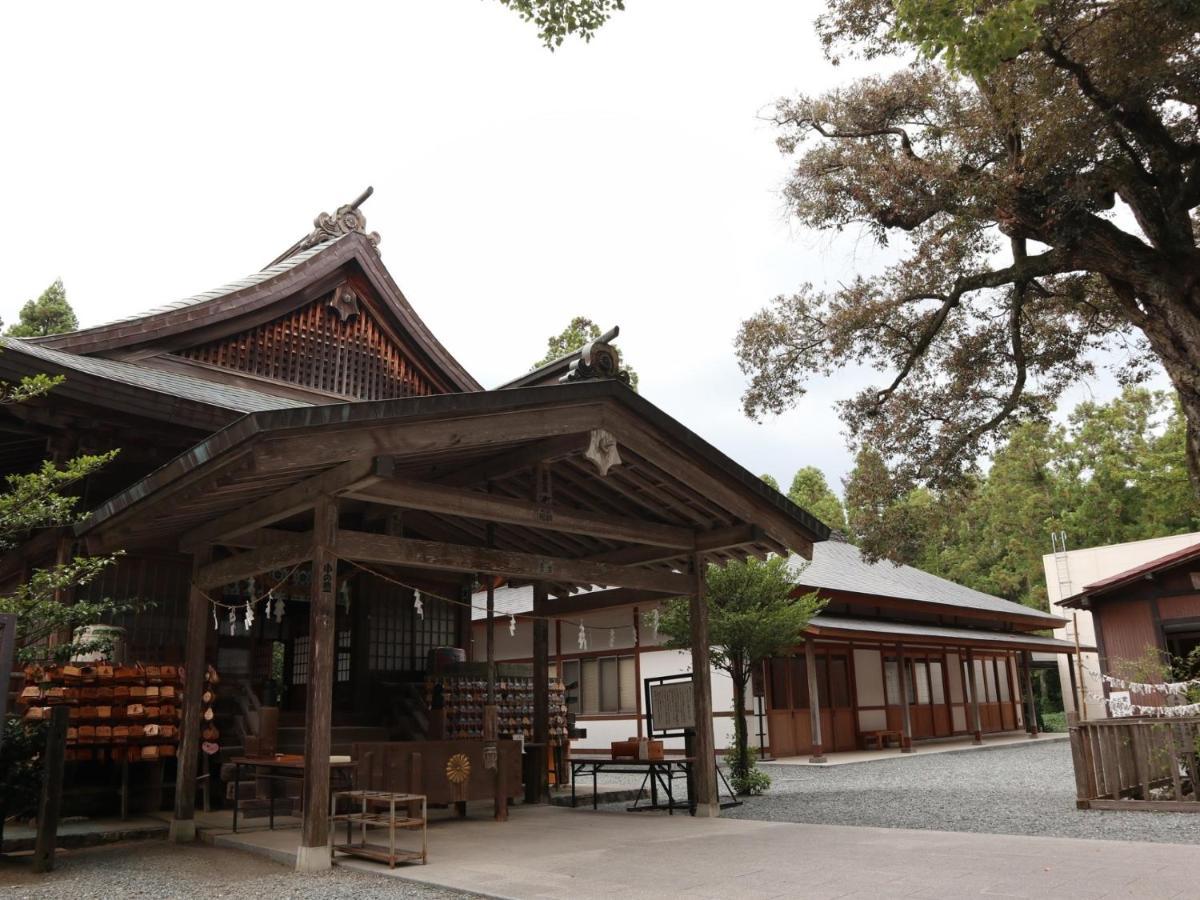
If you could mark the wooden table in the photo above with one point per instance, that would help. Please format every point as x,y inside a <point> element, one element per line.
<point>881,738</point>
<point>286,768</point>
<point>659,772</point>
<point>377,809</point>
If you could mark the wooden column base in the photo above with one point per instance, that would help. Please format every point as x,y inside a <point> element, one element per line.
<point>978,739</point>
<point>182,831</point>
<point>312,859</point>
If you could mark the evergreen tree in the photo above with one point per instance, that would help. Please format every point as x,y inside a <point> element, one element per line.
<point>48,314</point>
<point>810,491</point>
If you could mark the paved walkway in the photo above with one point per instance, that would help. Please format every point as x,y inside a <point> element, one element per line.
<point>552,852</point>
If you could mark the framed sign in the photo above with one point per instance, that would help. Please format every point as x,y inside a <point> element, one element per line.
<point>670,706</point>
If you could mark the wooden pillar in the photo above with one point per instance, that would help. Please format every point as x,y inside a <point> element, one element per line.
<point>905,711</point>
<point>1074,687</point>
<point>183,823</point>
<point>814,704</point>
<point>637,674</point>
<point>704,775</point>
<point>313,853</point>
<point>360,643</point>
<point>1031,724</point>
<point>541,688</point>
<point>976,723</point>
<point>52,787</point>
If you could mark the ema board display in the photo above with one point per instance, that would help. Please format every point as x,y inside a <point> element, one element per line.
<point>671,705</point>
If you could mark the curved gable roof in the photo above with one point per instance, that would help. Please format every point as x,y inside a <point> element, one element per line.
<point>257,298</point>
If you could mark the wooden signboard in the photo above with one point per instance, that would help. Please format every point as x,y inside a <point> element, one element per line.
<point>670,705</point>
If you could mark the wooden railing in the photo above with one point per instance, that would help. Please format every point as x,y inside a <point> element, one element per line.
<point>1137,763</point>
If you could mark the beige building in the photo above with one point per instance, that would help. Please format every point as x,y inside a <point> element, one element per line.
<point>1067,572</point>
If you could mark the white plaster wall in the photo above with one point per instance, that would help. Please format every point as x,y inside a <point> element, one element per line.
<point>1084,567</point>
<point>868,680</point>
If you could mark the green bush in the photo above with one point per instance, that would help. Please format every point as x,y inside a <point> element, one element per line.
<point>1054,721</point>
<point>744,774</point>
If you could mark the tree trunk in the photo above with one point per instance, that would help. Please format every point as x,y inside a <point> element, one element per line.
<point>1172,327</point>
<point>741,740</point>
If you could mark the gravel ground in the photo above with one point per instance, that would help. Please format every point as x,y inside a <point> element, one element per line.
<point>162,871</point>
<point>1025,789</point>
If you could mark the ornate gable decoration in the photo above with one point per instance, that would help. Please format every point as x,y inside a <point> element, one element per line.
<point>598,359</point>
<point>345,220</point>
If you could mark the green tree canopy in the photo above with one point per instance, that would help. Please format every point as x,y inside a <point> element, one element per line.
<point>810,491</point>
<point>771,481</point>
<point>579,331</point>
<point>752,614</point>
<point>556,20</point>
<point>50,313</point>
<point>1114,472</point>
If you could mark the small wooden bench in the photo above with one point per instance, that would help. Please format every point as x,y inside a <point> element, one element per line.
<point>881,737</point>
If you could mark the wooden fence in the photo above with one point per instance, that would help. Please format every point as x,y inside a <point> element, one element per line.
<point>1137,763</point>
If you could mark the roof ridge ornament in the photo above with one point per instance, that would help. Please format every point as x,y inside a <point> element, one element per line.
<point>598,359</point>
<point>347,219</point>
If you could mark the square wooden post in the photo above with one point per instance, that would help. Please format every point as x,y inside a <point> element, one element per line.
<point>814,704</point>
<point>313,852</point>
<point>183,822</point>
<point>541,689</point>
<point>704,769</point>
<point>1031,724</point>
<point>973,680</point>
<point>905,711</point>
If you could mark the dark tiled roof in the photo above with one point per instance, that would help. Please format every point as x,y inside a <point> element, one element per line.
<point>215,294</point>
<point>198,390</point>
<point>840,566</point>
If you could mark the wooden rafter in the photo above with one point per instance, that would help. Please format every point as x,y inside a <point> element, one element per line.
<point>491,507</point>
<point>287,502</point>
<point>508,463</point>
<point>381,548</point>
<point>280,553</point>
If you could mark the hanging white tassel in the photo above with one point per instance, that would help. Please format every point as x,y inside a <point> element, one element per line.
<point>512,625</point>
<point>216,624</point>
<point>582,637</point>
<point>232,621</point>
<point>418,606</point>
<point>279,609</point>
<point>344,590</point>
<point>249,614</point>
<point>612,637</point>
<point>653,616</point>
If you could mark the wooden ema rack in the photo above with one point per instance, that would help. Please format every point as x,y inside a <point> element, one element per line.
<point>119,713</point>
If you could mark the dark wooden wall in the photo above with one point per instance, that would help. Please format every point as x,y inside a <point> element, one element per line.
<point>315,348</point>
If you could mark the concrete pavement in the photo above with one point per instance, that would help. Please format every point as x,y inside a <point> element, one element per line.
<point>552,852</point>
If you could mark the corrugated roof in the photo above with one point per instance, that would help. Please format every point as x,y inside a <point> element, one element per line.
<point>840,566</point>
<point>215,294</point>
<point>198,390</point>
<point>938,632</point>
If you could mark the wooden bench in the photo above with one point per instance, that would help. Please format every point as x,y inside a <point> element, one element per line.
<point>881,737</point>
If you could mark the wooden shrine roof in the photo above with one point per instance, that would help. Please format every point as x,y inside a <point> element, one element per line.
<point>258,298</point>
<point>669,478</point>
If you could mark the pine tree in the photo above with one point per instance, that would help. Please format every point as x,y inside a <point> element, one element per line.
<point>48,314</point>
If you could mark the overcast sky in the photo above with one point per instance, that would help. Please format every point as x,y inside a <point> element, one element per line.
<point>153,151</point>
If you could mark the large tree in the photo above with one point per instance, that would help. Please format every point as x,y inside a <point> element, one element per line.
<point>50,313</point>
<point>1037,168</point>
<point>753,613</point>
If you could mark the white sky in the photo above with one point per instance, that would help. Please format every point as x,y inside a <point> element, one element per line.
<point>156,150</point>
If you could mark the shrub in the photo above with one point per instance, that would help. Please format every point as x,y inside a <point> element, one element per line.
<point>744,774</point>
